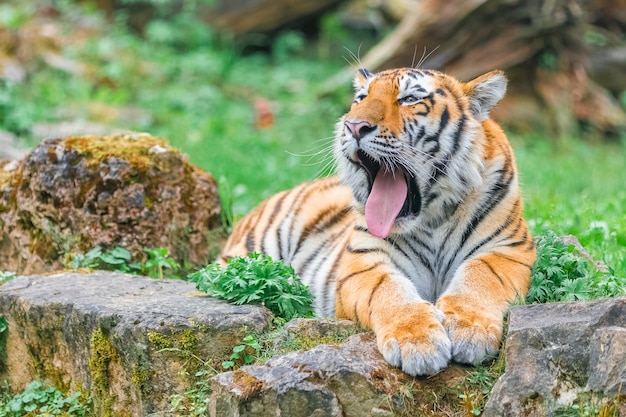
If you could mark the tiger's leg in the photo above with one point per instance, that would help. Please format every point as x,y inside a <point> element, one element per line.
<point>477,299</point>
<point>408,329</point>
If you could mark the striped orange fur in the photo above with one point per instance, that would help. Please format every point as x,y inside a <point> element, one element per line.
<point>420,237</point>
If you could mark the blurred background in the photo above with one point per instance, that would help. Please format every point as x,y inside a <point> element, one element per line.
<point>251,89</point>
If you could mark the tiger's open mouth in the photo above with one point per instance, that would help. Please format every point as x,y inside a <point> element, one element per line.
<point>412,201</point>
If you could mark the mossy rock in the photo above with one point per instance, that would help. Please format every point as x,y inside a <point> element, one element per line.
<point>132,190</point>
<point>129,342</point>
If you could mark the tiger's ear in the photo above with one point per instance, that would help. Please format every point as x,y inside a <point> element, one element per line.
<point>485,92</point>
<point>361,77</point>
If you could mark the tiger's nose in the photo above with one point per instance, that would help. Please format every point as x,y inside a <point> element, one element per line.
<point>358,129</point>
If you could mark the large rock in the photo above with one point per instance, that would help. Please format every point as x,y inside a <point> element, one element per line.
<point>123,339</point>
<point>557,354</point>
<point>350,379</point>
<point>131,190</point>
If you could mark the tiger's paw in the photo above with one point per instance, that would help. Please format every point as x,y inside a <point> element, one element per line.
<point>415,340</point>
<point>473,334</point>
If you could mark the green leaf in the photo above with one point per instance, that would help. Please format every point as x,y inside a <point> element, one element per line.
<point>120,253</point>
<point>239,348</point>
<point>257,279</point>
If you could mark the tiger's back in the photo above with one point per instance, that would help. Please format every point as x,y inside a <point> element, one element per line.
<point>306,227</point>
<point>421,236</point>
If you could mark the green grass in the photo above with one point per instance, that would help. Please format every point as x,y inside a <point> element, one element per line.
<point>574,187</point>
<point>38,400</point>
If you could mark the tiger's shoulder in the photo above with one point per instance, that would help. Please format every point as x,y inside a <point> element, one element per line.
<point>279,225</point>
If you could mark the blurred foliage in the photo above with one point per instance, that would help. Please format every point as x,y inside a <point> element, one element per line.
<point>197,88</point>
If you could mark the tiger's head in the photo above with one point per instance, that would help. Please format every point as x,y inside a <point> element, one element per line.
<point>412,144</point>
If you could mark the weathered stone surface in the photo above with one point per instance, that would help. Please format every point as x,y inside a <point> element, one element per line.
<point>124,339</point>
<point>607,360</point>
<point>556,352</point>
<point>320,328</point>
<point>131,190</point>
<point>350,379</point>
<point>323,381</point>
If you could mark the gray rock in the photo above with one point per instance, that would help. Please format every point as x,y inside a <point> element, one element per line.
<point>132,190</point>
<point>556,352</point>
<point>320,328</point>
<point>124,339</point>
<point>348,379</point>
<point>607,360</point>
<point>351,379</point>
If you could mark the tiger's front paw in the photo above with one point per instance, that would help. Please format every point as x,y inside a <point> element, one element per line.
<point>414,339</point>
<point>474,334</point>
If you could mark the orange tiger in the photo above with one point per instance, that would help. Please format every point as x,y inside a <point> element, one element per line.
<point>420,237</point>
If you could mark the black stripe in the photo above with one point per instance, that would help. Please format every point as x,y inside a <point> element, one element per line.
<point>342,280</point>
<point>250,241</point>
<point>364,250</point>
<point>396,247</point>
<point>495,196</point>
<point>380,281</point>
<point>309,260</point>
<point>302,196</point>
<point>420,255</point>
<point>507,222</point>
<point>440,168</point>
<point>493,271</point>
<point>508,258</point>
<point>251,236</point>
<point>365,73</point>
<point>277,207</point>
<point>320,225</point>
<point>331,273</point>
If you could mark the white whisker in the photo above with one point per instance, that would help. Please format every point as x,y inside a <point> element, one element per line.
<point>425,56</point>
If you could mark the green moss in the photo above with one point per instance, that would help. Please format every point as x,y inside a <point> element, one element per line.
<point>184,341</point>
<point>138,149</point>
<point>102,354</point>
<point>141,374</point>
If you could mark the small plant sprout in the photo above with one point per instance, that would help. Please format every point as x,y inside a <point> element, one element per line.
<point>119,259</point>
<point>244,353</point>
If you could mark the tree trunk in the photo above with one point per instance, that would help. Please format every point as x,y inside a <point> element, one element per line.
<point>566,59</point>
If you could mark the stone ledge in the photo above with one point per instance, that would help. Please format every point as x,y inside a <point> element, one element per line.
<point>124,339</point>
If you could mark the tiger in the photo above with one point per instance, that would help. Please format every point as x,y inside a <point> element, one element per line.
<point>420,236</point>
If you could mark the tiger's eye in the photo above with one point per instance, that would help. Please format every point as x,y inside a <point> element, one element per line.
<point>411,99</point>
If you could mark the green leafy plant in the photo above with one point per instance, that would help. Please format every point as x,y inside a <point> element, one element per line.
<point>119,259</point>
<point>116,259</point>
<point>36,400</point>
<point>195,401</point>
<point>257,279</point>
<point>560,274</point>
<point>6,276</point>
<point>158,261</point>
<point>3,324</point>
<point>244,353</point>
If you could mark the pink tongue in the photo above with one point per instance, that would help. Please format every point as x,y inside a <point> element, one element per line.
<point>385,202</point>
